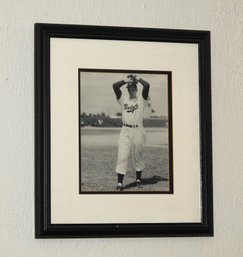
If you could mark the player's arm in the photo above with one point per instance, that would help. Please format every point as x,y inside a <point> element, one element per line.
<point>146,87</point>
<point>117,88</point>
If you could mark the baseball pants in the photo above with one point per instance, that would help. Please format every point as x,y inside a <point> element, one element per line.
<point>131,141</point>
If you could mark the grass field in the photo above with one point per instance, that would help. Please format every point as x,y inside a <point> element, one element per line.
<point>99,156</point>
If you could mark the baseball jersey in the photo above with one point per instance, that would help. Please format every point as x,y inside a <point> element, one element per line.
<point>132,109</point>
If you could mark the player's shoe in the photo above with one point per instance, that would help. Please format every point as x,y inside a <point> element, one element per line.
<point>119,187</point>
<point>138,182</point>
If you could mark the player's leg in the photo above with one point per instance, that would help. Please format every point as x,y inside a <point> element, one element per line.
<point>124,148</point>
<point>138,153</point>
<point>138,177</point>
<point>136,164</point>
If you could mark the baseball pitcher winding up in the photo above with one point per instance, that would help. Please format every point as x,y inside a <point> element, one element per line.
<point>132,137</point>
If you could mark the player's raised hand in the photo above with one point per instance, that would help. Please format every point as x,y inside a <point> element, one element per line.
<point>129,79</point>
<point>132,78</point>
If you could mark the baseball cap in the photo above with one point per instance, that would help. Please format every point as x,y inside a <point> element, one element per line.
<point>131,84</point>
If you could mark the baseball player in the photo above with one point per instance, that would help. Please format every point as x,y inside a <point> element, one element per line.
<point>132,137</point>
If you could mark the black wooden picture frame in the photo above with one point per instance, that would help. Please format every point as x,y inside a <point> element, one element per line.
<point>44,228</point>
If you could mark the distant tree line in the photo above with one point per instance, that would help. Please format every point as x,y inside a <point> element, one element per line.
<point>103,120</point>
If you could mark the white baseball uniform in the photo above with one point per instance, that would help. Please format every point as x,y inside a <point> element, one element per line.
<point>132,139</point>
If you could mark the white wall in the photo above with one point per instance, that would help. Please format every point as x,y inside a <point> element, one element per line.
<point>17,18</point>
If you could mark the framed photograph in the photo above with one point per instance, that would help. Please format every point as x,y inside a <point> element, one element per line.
<point>122,138</point>
<point>123,142</point>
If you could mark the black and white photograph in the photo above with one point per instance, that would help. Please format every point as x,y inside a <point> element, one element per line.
<point>125,131</point>
<point>123,126</point>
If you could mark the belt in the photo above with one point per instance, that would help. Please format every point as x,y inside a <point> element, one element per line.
<point>130,126</point>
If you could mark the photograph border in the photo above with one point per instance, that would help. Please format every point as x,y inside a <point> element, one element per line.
<point>170,130</point>
<point>43,226</point>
